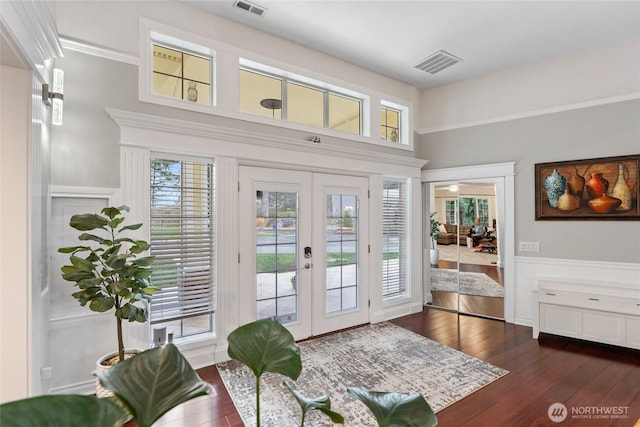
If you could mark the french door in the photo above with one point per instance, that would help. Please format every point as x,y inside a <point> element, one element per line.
<point>303,249</point>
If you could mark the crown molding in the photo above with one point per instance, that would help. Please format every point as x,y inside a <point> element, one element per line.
<point>101,52</point>
<point>30,27</point>
<point>208,131</point>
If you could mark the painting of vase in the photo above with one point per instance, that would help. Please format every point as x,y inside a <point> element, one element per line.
<point>590,189</point>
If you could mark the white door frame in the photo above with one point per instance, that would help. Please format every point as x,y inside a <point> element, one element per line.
<point>507,172</point>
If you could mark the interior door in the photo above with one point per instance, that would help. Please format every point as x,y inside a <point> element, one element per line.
<point>302,257</point>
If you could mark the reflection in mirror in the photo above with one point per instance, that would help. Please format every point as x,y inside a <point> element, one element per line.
<point>443,252</point>
<point>467,276</point>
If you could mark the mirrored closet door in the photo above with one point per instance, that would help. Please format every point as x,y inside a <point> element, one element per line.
<point>466,273</point>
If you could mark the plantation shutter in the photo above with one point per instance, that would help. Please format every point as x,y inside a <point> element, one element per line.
<point>182,239</point>
<point>394,229</point>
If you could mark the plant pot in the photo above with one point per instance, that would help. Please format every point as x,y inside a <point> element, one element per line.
<point>434,255</point>
<point>106,362</point>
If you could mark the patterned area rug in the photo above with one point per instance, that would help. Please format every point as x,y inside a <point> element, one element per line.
<point>381,357</point>
<point>480,284</point>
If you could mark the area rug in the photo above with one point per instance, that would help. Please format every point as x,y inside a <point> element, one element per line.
<point>480,284</point>
<point>381,357</point>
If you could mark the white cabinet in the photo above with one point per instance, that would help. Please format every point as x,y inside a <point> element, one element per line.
<point>602,312</point>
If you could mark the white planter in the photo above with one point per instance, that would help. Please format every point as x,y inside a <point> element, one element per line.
<point>104,363</point>
<point>434,254</point>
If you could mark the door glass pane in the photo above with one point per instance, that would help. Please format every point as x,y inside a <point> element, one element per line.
<point>341,252</point>
<point>276,249</point>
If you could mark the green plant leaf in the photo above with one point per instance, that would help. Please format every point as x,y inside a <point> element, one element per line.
<point>113,212</point>
<point>322,403</point>
<point>101,304</point>
<point>71,249</point>
<point>76,277</point>
<point>396,409</point>
<point>116,261</point>
<point>266,345</point>
<point>153,382</point>
<point>81,264</point>
<point>115,222</point>
<point>87,236</point>
<point>87,222</point>
<point>61,410</point>
<point>130,227</point>
<point>144,262</point>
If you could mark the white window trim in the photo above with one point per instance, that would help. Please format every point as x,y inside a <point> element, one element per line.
<point>325,88</point>
<point>224,105</point>
<point>151,32</point>
<point>404,131</point>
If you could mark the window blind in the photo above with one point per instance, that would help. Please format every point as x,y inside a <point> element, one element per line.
<point>394,230</point>
<point>182,239</point>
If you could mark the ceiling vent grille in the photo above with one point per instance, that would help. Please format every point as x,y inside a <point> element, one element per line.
<point>437,62</point>
<point>250,7</point>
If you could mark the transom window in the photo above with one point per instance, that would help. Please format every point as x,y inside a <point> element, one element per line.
<point>390,124</point>
<point>283,98</point>
<point>182,75</point>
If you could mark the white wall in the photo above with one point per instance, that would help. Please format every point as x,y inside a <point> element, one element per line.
<point>585,78</point>
<point>15,292</point>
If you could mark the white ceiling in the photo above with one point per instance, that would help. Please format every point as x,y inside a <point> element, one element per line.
<point>391,37</point>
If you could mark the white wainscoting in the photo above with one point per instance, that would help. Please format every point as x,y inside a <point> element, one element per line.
<point>530,270</point>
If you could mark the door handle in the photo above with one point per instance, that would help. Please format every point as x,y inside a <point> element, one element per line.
<point>308,265</point>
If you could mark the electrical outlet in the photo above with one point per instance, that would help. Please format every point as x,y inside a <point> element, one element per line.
<point>529,246</point>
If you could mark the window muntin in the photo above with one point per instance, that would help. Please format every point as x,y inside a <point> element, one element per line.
<point>390,124</point>
<point>342,260</point>
<point>301,102</point>
<point>450,212</point>
<point>394,233</point>
<point>181,75</point>
<point>183,242</point>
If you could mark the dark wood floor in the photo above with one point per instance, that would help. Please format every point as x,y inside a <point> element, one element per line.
<point>578,374</point>
<point>472,304</point>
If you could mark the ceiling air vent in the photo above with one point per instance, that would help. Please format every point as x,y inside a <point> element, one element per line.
<point>437,62</point>
<point>250,7</point>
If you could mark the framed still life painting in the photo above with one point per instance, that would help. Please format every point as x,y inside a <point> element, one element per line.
<point>591,189</point>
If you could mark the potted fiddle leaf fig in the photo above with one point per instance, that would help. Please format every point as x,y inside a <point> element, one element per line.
<point>109,268</point>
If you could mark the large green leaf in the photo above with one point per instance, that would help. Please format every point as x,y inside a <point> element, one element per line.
<point>396,409</point>
<point>153,382</point>
<point>61,410</point>
<point>87,222</point>
<point>266,346</point>
<point>322,403</point>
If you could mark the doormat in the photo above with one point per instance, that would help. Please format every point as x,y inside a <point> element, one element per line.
<point>479,284</point>
<point>379,357</point>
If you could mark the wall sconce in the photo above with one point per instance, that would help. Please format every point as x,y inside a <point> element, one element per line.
<point>55,97</point>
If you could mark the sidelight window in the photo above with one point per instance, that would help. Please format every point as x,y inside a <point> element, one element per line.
<point>183,242</point>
